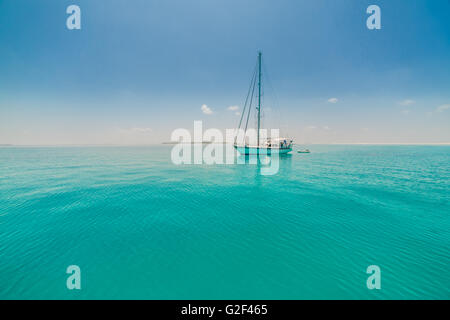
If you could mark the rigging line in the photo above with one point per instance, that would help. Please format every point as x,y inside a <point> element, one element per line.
<point>276,102</point>
<point>246,100</point>
<point>250,106</point>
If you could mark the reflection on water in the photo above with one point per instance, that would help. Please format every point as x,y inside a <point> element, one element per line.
<point>267,165</point>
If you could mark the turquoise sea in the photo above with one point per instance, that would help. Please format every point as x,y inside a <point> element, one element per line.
<point>141,227</point>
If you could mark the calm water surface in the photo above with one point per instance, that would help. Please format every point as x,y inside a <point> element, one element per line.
<point>140,227</point>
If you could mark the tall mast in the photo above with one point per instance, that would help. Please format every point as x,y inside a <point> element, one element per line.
<point>259,92</point>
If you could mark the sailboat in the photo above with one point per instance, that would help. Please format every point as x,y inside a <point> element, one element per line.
<point>267,146</point>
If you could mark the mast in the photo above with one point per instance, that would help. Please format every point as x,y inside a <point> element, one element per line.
<point>259,93</point>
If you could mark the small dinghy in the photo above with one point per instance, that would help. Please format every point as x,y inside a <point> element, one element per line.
<point>304,151</point>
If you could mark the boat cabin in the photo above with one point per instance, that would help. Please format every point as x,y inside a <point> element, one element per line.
<point>281,143</point>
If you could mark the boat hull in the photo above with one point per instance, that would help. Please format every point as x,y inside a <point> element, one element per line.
<point>260,150</point>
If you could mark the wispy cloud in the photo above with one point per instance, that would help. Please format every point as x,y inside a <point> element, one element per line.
<point>237,113</point>
<point>206,109</point>
<point>406,102</point>
<point>406,111</point>
<point>233,108</point>
<point>333,100</point>
<point>326,128</point>
<point>442,108</point>
<point>311,127</point>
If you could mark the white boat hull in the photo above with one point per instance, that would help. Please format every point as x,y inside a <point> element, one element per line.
<point>244,150</point>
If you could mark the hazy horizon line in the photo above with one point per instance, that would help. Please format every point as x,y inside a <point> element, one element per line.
<point>172,143</point>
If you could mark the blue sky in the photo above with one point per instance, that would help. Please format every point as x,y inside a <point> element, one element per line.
<point>139,69</point>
